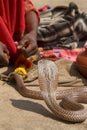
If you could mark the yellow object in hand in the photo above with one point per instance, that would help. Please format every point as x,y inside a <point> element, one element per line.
<point>21,71</point>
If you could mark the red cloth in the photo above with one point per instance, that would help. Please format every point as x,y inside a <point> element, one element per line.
<point>6,38</point>
<point>44,8</point>
<point>61,53</point>
<point>11,21</point>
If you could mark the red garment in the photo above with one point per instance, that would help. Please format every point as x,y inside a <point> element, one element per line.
<point>12,21</point>
<point>61,53</point>
<point>44,8</point>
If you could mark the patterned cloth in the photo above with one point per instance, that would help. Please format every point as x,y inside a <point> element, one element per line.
<point>61,28</point>
<point>56,54</point>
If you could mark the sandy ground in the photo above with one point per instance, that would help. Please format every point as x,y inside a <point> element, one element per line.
<point>19,113</point>
<point>40,3</point>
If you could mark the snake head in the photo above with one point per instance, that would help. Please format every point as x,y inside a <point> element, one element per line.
<point>48,75</point>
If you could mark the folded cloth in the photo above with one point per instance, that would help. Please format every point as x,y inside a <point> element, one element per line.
<point>69,76</point>
<point>61,26</point>
<point>61,53</point>
<point>11,22</point>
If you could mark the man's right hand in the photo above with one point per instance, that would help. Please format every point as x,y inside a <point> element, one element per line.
<point>4,55</point>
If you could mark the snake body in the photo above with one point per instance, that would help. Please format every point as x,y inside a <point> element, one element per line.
<point>69,108</point>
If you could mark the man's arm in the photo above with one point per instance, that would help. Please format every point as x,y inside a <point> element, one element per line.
<point>29,41</point>
<point>31,20</point>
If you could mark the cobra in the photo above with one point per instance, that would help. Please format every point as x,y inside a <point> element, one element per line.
<point>69,109</point>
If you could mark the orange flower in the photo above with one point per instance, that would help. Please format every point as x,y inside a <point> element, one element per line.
<point>22,61</point>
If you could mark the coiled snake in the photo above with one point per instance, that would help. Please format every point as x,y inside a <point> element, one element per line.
<point>69,108</point>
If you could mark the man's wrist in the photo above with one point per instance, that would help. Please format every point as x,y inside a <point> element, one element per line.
<point>32,35</point>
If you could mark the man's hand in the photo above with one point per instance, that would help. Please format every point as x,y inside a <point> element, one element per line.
<point>28,45</point>
<point>4,55</point>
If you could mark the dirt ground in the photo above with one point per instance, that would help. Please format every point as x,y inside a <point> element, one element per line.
<point>19,113</point>
<point>40,3</point>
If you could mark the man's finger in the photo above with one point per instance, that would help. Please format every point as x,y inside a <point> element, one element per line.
<point>28,53</point>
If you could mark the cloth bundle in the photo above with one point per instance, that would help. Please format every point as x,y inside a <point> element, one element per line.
<point>61,28</point>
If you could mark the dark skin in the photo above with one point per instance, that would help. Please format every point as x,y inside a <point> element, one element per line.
<point>28,45</point>
<point>4,55</point>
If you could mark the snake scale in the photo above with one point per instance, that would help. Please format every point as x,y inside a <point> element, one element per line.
<point>69,109</point>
